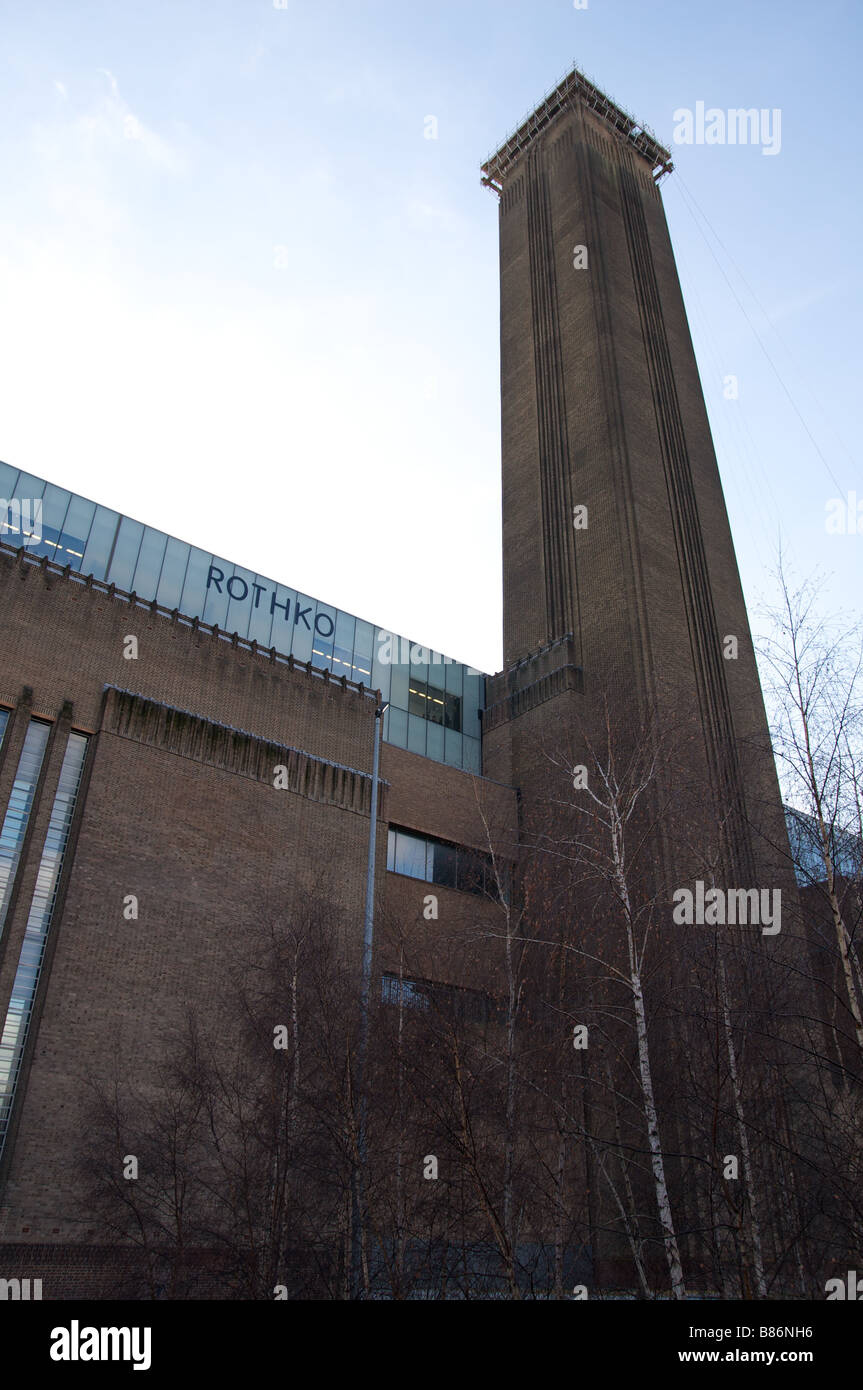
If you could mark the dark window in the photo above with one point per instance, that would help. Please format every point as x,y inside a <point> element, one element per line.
<point>437,861</point>
<point>433,704</point>
<point>445,864</point>
<point>408,992</point>
<point>451,1001</point>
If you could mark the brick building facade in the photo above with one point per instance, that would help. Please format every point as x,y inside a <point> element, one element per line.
<point>176,807</point>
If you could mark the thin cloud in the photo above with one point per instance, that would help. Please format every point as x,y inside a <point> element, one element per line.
<point>115,123</point>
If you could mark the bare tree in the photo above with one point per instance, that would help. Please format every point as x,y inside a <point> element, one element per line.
<point>815,689</point>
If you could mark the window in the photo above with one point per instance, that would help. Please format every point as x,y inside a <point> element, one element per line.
<point>406,992</point>
<point>60,547</point>
<point>437,861</point>
<point>19,808</point>
<point>445,864</point>
<point>452,1001</point>
<point>846,850</point>
<point>17,1020</point>
<point>433,704</point>
<point>408,854</point>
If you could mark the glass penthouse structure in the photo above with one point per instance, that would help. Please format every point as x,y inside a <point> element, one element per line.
<point>434,702</point>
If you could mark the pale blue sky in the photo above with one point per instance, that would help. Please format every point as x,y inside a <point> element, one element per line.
<point>246,301</point>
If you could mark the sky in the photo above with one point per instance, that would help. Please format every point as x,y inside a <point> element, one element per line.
<point>247,300</point>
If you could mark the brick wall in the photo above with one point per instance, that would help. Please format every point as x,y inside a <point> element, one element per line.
<point>180,812</point>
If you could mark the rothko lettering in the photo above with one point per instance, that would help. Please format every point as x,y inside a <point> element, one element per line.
<point>238,589</point>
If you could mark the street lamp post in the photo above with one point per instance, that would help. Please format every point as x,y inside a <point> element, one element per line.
<point>365,1003</point>
<point>368,932</point>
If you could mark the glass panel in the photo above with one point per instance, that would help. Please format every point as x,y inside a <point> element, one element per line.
<point>238,587</point>
<point>417,697</point>
<point>363,647</point>
<point>435,705</point>
<point>126,554</point>
<point>414,996</point>
<point>173,573</point>
<point>8,478</point>
<point>29,486</point>
<point>445,865</point>
<point>410,855</point>
<point>4,720</point>
<point>381,670</point>
<point>445,709</point>
<point>431,703</point>
<point>193,600</point>
<point>453,678</point>
<point>398,727</point>
<point>17,1021</point>
<point>452,712</point>
<point>298,629</point>
<point>362,669</point>
<point>419,668</point>
<point>22,523</point>
<point>76,529</point>
<point>416,734</point>
<point>99,542</point>
<point>474,699</point>
<point>55,504</point>
<point>19,808</point>
<point>807,854</point>
<point>399,687</point>
<point>405,992</point>
<point>145,582</point>
<point>434,742</point>
<point>343,646</point>
<point>260,616</point>
<point>218,598</point>
<point>345,630</point>
<point>324,620</point>
<point>322,654</point>
<point>343,663</point>
<point>453,748</point>
<point>419,856</point>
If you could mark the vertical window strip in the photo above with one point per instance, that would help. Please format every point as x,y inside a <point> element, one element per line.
<point>19,808</point>
<point>20,1009</point>
<point>4,720</point>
